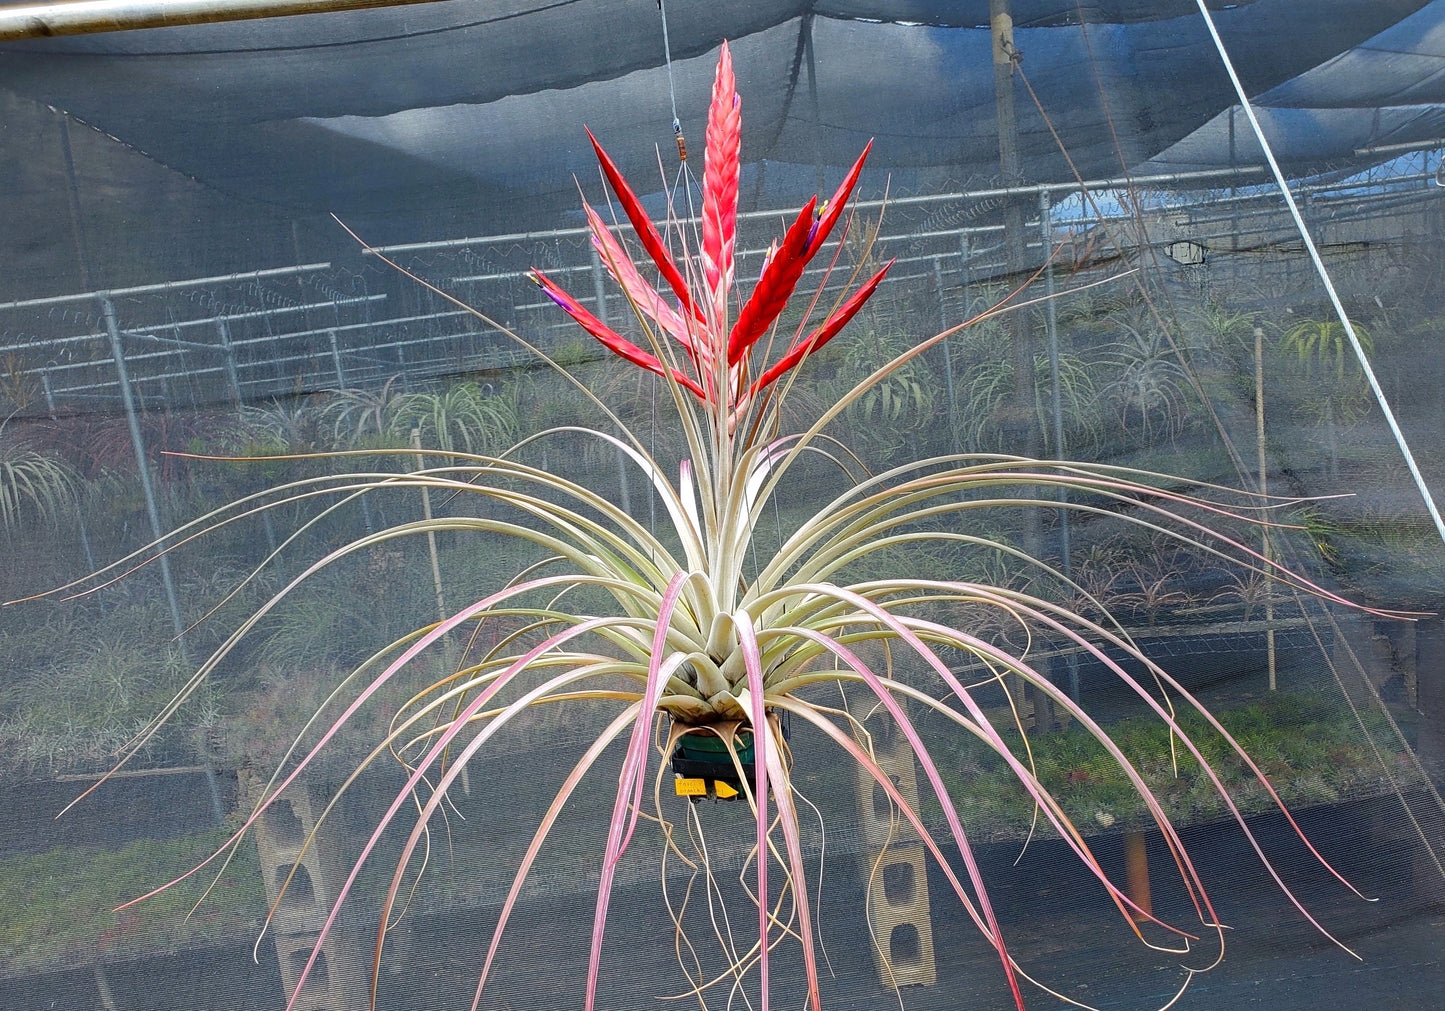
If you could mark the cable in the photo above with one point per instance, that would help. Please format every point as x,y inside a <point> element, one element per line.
<point>671,88</point>
<point>1324,275</point>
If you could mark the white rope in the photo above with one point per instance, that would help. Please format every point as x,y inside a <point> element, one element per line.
<point>1325,277</point>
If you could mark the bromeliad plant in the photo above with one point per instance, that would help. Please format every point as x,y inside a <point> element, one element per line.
<point>700,630</point>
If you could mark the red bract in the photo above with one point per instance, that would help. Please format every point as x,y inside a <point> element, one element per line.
<point>698,321</point>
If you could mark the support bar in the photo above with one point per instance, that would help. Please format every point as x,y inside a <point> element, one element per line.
<point>87,17</point>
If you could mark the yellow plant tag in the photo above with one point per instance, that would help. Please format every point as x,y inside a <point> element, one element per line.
<point>690,787</point>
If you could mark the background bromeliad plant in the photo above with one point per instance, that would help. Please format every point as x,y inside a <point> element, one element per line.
<point>705,630</point>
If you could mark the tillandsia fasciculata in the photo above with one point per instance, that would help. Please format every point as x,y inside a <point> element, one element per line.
<point>708,634</point>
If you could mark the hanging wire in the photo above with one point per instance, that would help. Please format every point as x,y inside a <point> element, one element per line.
<point>671,87</point>
<point>1324,275</point>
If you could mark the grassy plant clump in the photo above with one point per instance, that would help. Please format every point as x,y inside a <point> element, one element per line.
<point>33,485</point>
<point>58,909</point>
<point>1313,752</point>
<point>78,691</point>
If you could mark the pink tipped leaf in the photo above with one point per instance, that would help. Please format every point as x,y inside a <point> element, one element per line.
<point>418,775</point>
<point>1043,610</point>
<point>544,829</point>
<point>351,709</point>
<point>763,758</point>
<point>627,802</point>
<point>915,742</point>
<point>609,338</point>
<point>1039,610</point>
<point>641,294</point>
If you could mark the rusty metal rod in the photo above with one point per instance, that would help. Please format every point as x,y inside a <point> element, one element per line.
<point>85,17</point>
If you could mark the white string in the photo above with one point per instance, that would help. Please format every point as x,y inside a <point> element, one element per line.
<point>1325,277</point>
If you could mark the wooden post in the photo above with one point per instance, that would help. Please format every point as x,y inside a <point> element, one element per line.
<point>1136,872</point>
<point>1020,428</point>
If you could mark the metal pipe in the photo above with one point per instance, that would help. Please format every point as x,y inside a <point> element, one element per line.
<point>1262,458</point>
<point>232,376</point>
<point>51,342</point>
<point>88,17</point>
<point>107,309</point>
<point>336,359</point>
<point>1032,190</point>
<point>599,288</point>
<point>146,289</point>
<point>495,359</point>
<point>79,512</point>
<point>341,385</point>
<point>1051,320</point>
<point>279,310</point>
<point>947,357</point>
<point>431,536</point>
<point>175,342</point>
<point>1413,145</point>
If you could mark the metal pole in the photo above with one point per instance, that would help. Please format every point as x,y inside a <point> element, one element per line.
<point>147,289</point>
<point>336,359</point>
<point>86,17</point>
<point>947,359</point>
<point>1051,317</point>
<point>1165,179</point>
<point>1267,550</point>
<point>1001,22</point>
<point>401,369</point>
<point>142,465</point>
<point>600,289</point>
<point>229,352</point>
<point>341,385</point>
<point>431,537</point>
<point>49,394</point>
<point>965,257</point>
<point>79,513</point>
<point>1051,320</point>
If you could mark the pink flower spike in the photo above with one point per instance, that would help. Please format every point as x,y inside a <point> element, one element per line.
<point>609,339</point>
<point>646,233</point>
<point>826,332</point>
<point>720,183</point>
